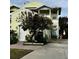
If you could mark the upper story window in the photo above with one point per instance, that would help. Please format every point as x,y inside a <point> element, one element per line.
<point>44,12</point>
<point>54,11</point>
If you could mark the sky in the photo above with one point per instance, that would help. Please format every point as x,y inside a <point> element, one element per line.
<point>59,3</point>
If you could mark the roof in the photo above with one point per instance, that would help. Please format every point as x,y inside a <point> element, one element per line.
<point>22,10</point>
<point>43,7</point>
<point>33,4</point>
<point>13,6</point>
<point>56,8</point>
<point>47,7</point>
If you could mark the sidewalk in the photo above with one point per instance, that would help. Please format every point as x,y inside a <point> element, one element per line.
<point>20,45</point>
<point>49,51</point>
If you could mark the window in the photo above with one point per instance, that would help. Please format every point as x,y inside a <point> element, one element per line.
<point>54,11</point>
<point>44,11</point>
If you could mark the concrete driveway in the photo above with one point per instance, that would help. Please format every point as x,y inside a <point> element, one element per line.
<point>50,51</point>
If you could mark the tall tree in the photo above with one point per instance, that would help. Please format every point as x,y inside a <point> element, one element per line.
<point>63,23</point>
<point>34,23</point>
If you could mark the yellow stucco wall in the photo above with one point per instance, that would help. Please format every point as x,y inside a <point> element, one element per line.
<point>14,21</point>
<point>15,18</point>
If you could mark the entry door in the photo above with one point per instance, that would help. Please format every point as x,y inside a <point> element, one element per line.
<point>21,34</point>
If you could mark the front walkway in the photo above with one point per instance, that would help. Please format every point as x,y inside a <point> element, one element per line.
<point>50,51</point>
<point>20,45</point>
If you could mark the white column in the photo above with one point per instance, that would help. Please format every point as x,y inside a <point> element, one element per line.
<point>38,11</point>
<point>58,24</point>
<point>51,19</point>
<point>50,14</point>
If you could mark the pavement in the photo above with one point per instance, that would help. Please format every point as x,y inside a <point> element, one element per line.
<point>55,50</point>
<point>20,45</point>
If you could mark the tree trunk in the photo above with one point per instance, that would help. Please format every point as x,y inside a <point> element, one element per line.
<point>33,35</point>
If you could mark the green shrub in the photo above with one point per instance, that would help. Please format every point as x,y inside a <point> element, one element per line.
<point>40,39</point>
<point>28,38</point>
<point>45,39</point>
<point>13,37</point>
<point>54,37</point>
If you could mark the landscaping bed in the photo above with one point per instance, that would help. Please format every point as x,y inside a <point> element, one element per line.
<point>18,53</point>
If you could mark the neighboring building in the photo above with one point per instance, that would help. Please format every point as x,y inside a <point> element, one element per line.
<point>13,18</point>
<point>63,24</point>
<point>13,8</point>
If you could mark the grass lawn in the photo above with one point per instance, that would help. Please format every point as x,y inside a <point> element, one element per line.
<point>18,53</point>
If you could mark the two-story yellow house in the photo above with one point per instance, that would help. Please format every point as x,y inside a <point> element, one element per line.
<point>46,11</point>
<point>41,9</point>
